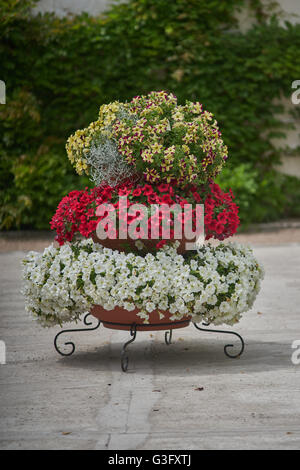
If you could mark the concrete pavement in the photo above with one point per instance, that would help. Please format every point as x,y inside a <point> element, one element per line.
<point>86,402</point>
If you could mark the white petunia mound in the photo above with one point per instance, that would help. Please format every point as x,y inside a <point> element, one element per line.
<point>215,285</point>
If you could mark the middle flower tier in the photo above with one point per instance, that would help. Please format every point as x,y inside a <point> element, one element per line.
<point>156,212</point>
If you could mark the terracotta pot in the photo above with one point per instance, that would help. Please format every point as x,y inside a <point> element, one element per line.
<point>121,319</point>
<point>129,244</point>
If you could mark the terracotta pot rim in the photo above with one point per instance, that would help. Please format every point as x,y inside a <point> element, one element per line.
<point>149,243</point>
<point>120,320</point>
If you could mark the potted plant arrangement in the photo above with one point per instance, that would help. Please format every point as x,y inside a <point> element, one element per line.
<point>127,251</point>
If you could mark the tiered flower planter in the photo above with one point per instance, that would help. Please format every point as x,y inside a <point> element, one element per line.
<point>155,153</point>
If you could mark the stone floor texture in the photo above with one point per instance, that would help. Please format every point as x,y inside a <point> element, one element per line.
<point>188,395</point>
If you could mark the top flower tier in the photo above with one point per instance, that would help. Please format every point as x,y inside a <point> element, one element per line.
<point>150,138</point>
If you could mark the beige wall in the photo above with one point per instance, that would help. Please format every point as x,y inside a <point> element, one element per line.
<point>63,7</point>
<point>288,10</point>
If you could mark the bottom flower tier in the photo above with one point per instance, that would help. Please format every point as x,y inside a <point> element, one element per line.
<point>125,291</point>
<point>214,285</point>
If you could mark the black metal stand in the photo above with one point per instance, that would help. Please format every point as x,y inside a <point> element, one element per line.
<point>133,331</point>
<point>74,331</point>
<point>168,337</point>
<point>124,356</point>
<point>227,345</point>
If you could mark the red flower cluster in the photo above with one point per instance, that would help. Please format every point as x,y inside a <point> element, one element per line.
<point>77,212</point>
<point>221,218</point>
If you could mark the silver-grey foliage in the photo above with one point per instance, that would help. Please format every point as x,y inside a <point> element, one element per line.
<point>107,164</point>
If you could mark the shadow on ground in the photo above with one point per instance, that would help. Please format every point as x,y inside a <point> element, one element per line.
<point>206,358</point>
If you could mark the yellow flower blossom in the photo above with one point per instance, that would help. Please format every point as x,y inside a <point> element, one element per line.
<point>156,147</point>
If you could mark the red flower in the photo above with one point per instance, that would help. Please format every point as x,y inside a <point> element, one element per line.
<point>219,228</point>
<point>222,218</point>
<point>166,199</point>
<point>160,244</point>
<point>137,192</point>
<point>171,191</point>
<point>212,225</point>
<point>106,192</point>
<point>147,189</point>
<point>153,198</point>
<point>207,219</point>
<point>197,197</point>
<point>124,191</point>
<point>163,187</point>
<point>183,202</point>
<point>209,206</point>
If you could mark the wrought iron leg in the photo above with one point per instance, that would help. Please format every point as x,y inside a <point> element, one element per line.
<point>227,345</point>
<point>124,356</point>
<point>168,337</point>
<point>87,323</point>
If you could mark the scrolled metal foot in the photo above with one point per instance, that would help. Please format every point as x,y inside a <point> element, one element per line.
<point>233,356</point>
<point>168,337</point>
<point>87,323</point>
<point>124,356</point>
